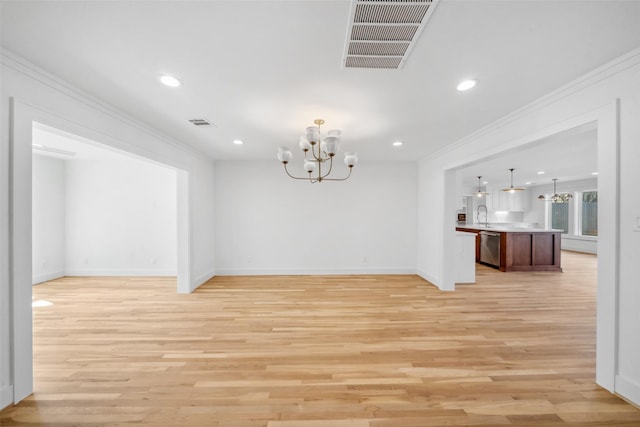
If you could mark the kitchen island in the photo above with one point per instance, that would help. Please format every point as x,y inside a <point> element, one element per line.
<point>516,249</point>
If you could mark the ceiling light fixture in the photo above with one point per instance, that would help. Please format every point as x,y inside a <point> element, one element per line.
<point>595,173</point>
<point>466,85</point>
<point>397,144</point>
<point>512,189</point>
<point>556,197</point>
<point>480,193</point>
<point>540,172</point>
<point>170,81</point>
<point>238,141</point>
<point>322,150</point>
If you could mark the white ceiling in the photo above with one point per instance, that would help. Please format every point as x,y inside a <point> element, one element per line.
<point>264,70</point>
<point>568,156</point>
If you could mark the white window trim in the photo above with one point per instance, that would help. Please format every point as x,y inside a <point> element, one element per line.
<point>578,214</point>
<point>575,216</point>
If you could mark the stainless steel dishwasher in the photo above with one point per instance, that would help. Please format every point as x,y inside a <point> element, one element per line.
<point>490,248</point>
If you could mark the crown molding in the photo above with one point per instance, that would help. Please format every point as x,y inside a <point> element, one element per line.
<point>603,72</point>
<point>16,62</point>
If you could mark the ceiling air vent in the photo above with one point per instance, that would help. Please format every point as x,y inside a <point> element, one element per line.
<point>200,122</point>
<point>382,33</point>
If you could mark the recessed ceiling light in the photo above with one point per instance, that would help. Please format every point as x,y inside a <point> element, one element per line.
<point>485,182</point>
<point>397,144</point>
<point>170,81</point>
<point>594,173</point>
<point>238,141</point>
<point>466,85</point>
<point>540,172</point>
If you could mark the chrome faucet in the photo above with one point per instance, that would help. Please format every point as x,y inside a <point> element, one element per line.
<point>486,215</point>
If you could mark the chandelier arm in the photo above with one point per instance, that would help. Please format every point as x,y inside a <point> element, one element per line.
<point>313,151</point>
<point>330,167</point>
<point>339,179</point>
<point>295,177</point>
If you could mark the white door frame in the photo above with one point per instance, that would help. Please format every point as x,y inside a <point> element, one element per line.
<point>606,117</point>
<point>23,117</point>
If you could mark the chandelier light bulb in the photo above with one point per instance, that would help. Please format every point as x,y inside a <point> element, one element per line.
<point>313,134</point>
<point>330,144</point>
<point>309,166</point>
<point>284,155</point>
<point>304,144</point>
<point>350,159</point>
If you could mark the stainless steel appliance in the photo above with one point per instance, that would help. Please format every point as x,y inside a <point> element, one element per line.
<point>490,248</point>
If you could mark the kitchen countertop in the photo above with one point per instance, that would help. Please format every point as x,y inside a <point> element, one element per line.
<point>507,229</point>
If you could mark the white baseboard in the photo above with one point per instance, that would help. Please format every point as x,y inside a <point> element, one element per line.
<point>313,271</point>
<point>429,278</point>
<point>46,277</point>
<point>579,244</point>
<point>118,272</point>
<point>202,279</point>
<point>6,396</point>
<point>628,389</point>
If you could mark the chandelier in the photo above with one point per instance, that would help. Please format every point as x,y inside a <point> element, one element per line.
<point>556,197</point>
<point>317,152</point>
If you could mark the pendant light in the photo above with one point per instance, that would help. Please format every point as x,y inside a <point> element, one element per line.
<point>480,193</point>
<point>556,197</point>
<point>512,189</point>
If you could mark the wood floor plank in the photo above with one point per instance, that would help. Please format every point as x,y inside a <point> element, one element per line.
<point>514,349</point>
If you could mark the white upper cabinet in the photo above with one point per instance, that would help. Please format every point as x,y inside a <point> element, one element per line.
<point>518,201</point>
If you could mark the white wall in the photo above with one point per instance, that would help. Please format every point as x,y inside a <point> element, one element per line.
<point>48,218</point>
<point>536,212</point>
<point>121,217</point>
<point>108,214</point>
<point>30,94</point>
<point>268,223</point>
<point>592,97</point>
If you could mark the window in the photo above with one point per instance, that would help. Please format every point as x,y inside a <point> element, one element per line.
<point>578,217</point>
<point>560,216</point>
<point>589,213</point>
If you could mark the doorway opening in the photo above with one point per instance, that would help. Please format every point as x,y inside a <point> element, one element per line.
<point>99,212</point>
<point>25,119</point>
<point>606,124</point>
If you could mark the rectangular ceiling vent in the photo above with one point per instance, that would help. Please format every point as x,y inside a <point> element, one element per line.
<point>382,33</point>
<point>200,122</point>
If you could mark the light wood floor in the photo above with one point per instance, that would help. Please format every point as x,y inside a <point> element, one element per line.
<point>311,351</point>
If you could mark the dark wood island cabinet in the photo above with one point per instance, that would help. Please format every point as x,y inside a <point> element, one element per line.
<point>523,249</point>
